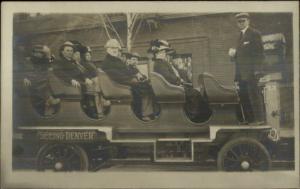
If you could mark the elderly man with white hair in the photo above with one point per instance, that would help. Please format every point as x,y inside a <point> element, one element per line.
<point>119,72</point>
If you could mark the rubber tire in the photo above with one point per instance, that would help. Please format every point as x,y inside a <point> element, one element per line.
<point>80,150</point>
<point>236,141</point>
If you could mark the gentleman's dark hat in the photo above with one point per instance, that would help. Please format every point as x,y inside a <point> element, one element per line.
<point>159,45</point>
<point>78,47</point>
<point>242,15</point>
<point>86,49</point>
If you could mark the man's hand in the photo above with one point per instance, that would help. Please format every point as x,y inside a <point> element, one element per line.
<point>236,85</point>
<point>88,81</point>
<point>134,81</point>
<point>140,76</point>
<point>27,82</point>
<point>232,52</point>
<point>75,83</point>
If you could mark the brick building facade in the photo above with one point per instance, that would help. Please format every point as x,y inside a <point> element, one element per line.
<point>206,36</point>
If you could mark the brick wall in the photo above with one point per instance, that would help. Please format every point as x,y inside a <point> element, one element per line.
<point>208,37</point>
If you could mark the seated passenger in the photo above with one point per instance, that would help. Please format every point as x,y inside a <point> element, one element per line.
<point>162,63</point>
<point>37,80</point>
<point>93,92</point>
<point>189,68</point>
<point>66,68</point>
<point>118,71</point>
<point>70,70</point>
<point>132,60</point>
<point>180,67</point>
<point>196,106</point>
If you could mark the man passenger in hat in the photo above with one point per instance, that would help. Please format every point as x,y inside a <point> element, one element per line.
<point>132,62</point>
<point>69,67</point>
<point>65,66</point>
<point>162,64</point>
<point>180,66</point>
<point>119,72</point>
<point>37,80</point>
<point>196,106</point>
<point>73,70</point>
<point>248,57</point>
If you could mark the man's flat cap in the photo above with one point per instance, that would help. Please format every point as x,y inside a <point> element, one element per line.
<point>66,44</point>
<point>242,15</point>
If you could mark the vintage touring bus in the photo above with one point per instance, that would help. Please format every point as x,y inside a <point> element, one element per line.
<point>71,140</point>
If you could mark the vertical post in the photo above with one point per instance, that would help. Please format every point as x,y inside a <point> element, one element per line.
<point>129,31</point>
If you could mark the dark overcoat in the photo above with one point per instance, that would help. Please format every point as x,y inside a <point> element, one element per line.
<point>165,69</point>
<point>67,70</point>
<point>117,70</point>
<point>249,55</point>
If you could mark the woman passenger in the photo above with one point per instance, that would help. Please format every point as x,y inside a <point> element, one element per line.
<point>93,91</point>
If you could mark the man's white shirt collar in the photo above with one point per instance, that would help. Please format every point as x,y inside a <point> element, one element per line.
<point>244,30</point>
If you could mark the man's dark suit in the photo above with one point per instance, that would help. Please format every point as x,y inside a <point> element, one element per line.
<point>165,69</point>
<point>119,72</point>
<point>196,106</point>
<point>68,70</point>
<point>40,89</point>
<point>249,55</point>
<point>249,59</point>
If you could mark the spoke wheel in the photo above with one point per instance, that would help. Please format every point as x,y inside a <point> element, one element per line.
<point>62,157</point>
<point>244,154</point>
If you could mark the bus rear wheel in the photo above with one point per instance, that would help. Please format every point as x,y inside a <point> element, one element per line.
<point>62,157</point>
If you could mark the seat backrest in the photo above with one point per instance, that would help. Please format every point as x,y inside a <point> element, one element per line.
<point>151,66</point>
<point>217,93</point>
<point>112,90</point>
<point>274,48</point>
<point>166,92</point>
<point>18,84</point>
<point>60,88</point>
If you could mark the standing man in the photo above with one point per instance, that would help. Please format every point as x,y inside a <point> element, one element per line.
<point>248,56</point>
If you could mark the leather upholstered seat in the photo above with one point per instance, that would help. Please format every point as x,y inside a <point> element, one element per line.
<point>217,93</point>
<point>60,88</point>
<point>112,90</point>
<point>166,92</point>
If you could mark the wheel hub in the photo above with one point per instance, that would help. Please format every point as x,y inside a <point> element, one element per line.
<point>58,165</point>
<point>245,165</point>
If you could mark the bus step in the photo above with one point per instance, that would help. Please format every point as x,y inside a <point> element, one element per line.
<point>173,150</point>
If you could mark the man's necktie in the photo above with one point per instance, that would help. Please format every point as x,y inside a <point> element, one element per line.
<point>241,35</point>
